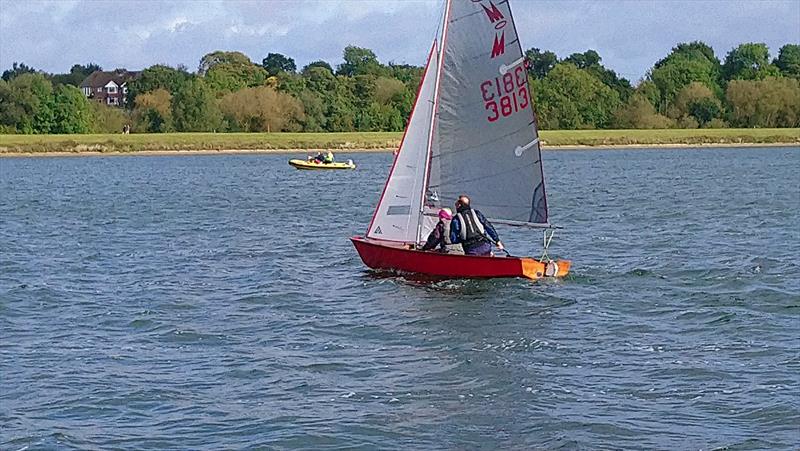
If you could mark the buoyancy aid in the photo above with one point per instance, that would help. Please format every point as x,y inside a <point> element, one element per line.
<point>446,225</point>
<point>448,244</point>
<point>472,231</point>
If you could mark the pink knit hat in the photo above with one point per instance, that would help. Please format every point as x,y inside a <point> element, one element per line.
<point>445,213</point>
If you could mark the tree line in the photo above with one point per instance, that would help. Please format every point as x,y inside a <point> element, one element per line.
<point>689,88</point>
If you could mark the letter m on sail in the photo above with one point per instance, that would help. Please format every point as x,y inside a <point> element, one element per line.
<point>493,13</point>
<point>499,46</point>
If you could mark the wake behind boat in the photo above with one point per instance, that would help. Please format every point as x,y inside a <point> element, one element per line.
<point>472,131</point>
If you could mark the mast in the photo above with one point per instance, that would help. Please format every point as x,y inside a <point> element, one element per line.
<point>429,146</point>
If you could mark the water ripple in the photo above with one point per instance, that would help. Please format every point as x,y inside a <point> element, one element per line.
<point>214,302</point>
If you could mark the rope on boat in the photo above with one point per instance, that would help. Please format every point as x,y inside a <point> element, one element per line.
<point>546,244</point>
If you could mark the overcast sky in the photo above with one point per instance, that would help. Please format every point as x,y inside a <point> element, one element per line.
<point>630,35</point>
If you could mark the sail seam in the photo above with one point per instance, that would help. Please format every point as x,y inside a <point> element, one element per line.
<point>519,168</point>
<point>456,19</point>
<point>482,56</point>
<point>481,144</point>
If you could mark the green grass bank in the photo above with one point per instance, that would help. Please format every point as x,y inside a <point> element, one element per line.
<point>173,142</point>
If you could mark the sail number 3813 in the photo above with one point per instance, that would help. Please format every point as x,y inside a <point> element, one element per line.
<point>504,96</point>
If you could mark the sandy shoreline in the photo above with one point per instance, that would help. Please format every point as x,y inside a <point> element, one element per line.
<point>380,150</point>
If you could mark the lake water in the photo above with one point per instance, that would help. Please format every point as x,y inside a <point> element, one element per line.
<point>215,302</point>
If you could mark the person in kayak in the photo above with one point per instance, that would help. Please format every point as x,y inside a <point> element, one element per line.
<point>440,235</point>
<point>470,228</point>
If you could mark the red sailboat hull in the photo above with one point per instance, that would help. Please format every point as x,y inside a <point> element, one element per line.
<point>387,255</point>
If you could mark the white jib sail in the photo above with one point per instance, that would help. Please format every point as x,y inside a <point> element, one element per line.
<point>398,213</point>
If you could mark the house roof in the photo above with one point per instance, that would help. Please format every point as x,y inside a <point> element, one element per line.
<point>98,78</point>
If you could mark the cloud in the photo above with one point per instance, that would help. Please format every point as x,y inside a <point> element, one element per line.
<point>629,35</point>
<point>632,35</point>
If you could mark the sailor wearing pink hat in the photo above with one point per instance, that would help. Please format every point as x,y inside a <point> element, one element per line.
<point>439,237</point>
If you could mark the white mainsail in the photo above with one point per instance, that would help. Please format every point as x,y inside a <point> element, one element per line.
<point>487,143</point>
<point>398,213</point>
<point>472,131</point>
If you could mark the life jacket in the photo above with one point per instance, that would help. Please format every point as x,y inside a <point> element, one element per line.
<point>446,223</point>
<point>449,246</point>
<point>472,230</point>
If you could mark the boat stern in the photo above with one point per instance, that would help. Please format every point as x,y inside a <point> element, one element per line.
<point>534,269</point>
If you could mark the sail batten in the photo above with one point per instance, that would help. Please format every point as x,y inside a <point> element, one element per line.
<point>482,144</point>
<point>494,175</point>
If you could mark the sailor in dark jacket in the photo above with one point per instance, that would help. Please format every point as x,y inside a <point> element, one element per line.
<point>470,228</point>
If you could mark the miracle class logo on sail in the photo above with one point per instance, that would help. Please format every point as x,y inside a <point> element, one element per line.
<point>506,95</point>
